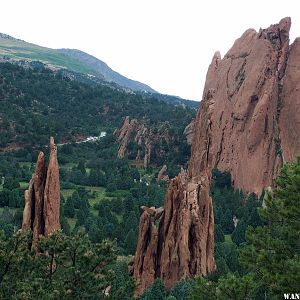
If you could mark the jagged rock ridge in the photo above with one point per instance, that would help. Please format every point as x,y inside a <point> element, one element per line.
<point>248,124</point>
<point>136,132</point>
<point>42,199</point>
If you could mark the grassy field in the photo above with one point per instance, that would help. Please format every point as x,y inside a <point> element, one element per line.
<point>72,222</point>
<point>24,185</point>
<point>228,238</point>
<point>20,50</point>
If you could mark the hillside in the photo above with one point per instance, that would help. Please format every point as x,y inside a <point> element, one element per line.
<point>37,103</point>
<point>86,67</point>
<point>101,68</point>
<point>16,49</point>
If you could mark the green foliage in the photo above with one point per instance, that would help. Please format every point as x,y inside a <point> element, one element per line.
<point>123,286</point>
<point>272,251</point>
<point>66,267</point>
<point>219,235</point>
<point>238,235</point>
<point>10,183</point>
<point>37,102</point>
<point>230,287</point>
<point>130,242</point>
<point>69,209</point>
<point>156,292</point>
<point>203,290</point>
<point>182,289</point>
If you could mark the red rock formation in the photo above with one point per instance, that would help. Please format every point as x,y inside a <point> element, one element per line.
<point>289,121</point>
<point>124,135</point>
<point>144,138</point>
<point>244,92</point>
<point>163,174</point>
<point>145,265</point>
<point>189,132</point>
<point>42,199</point>
<point>248,124</point>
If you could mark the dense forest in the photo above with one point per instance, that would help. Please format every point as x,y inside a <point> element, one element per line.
<point>37,102</point>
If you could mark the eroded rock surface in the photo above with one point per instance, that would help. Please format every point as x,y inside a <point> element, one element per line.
<point>248,124</point>
<point>247,92</point>
<point>42,199</point>
<point>163,174</point>
<point>189,132</point>
<point>289,122</point>
<point>146,140</point>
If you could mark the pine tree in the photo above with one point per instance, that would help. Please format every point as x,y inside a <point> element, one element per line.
<point>238,235</point>
<point>156,292</point>
<point>69,210</point>
<point>272,251</point>
<point>130,242</point>
<point>81,167</point>
<point>227,222</point>
<point>219,235</point>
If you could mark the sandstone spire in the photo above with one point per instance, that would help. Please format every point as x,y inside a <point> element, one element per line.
<point>248,124</point>
<point>42,199</point>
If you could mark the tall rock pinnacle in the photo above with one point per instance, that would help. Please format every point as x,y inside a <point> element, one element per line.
<point>248,124</point>
<point>42,199</point>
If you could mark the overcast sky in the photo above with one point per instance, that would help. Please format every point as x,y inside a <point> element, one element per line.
<point>167,44</point>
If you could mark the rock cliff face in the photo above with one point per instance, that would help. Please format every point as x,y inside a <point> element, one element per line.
<point>140,142</point>
<point>248,124</point>
<point>42,199</point>
<point>189,132</point>
<point>163,174</point>
<point>253,93</point>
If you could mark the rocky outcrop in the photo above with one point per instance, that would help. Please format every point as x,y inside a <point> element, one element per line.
<point>42,199</point>
<point>289,120</point>
<point>124,134</point>
<point>177,241</point>
<point>163,174</point>
<point>145,262</point>
<point>248,124</point>
<point>189,132</point>
<point>139,142</point>
<point>252,93</point>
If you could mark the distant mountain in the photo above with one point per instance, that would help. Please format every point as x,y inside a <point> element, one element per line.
<point>15,49</point>
<point>100,67</point>
<point>88,67</point>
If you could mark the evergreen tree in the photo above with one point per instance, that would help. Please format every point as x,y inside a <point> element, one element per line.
<point>123,285</point>
<point>238,235</point>
<point>182,289</point>
<point>156,292</point>
<point>69,210</point>
<point>76,199</point>
<point>66,267</point>
<point>227,222</point>
<point>203,290</point>
<point>219,235</point>
<point>272,251</point>
<point>81,167</point>
<point>130,242</point>
<point>131,222</point>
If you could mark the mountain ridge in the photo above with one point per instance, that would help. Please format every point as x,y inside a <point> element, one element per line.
<point>78,61</point>
<point>101,67</point>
